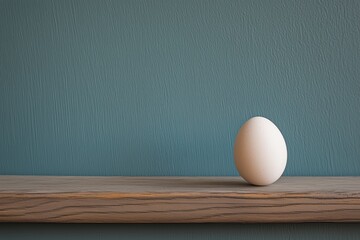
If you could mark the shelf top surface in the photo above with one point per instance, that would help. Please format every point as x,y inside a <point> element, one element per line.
<point>177,199</point>
<point>79,184</point>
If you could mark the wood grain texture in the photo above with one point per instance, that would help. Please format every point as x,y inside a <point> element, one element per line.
<point>177,199</point>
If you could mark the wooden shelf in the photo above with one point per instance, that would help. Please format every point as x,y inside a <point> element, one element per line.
<point>177,199</point>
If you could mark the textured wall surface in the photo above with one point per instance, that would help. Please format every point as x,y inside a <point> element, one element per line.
<point>161,88</point>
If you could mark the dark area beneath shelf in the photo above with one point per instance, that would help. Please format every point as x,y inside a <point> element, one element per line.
<point>179,231</point>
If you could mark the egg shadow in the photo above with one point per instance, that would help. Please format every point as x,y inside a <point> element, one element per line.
<point>208,183</point>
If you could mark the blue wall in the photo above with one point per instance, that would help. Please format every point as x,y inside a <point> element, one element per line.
<point>161,87</point>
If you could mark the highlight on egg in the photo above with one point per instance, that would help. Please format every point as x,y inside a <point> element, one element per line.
<point>260,152</point>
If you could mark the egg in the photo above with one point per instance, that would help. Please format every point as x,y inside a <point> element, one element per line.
<point>260,151</point>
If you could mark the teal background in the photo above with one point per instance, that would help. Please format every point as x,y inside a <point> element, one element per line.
<point>161,88</point>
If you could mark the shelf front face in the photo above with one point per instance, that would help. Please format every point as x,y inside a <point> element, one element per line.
<point>177,199</point>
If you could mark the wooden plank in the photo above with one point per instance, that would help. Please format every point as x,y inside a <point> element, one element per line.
<point>177,199</point>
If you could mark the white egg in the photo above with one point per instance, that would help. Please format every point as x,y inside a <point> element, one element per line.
<point>260,152</point>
